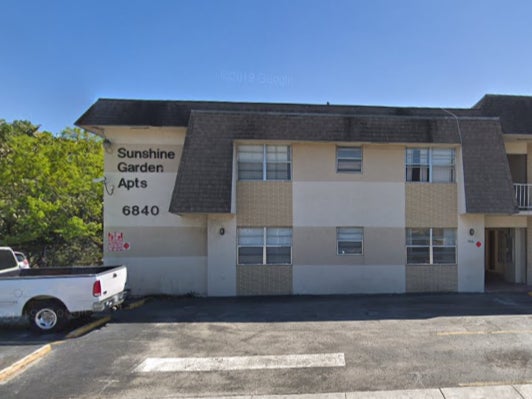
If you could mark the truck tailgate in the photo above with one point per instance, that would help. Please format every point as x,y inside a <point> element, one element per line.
<point>112,282</point>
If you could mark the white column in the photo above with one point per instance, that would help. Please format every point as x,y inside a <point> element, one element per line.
<point>470,253</point>
<point>221,255</point>
<point>520,256</point>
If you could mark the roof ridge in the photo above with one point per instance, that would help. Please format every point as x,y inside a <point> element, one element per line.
<point>373,115</point>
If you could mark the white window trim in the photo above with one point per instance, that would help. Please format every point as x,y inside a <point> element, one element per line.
<point>361,159</point>
<point>265,162</point>
<point>361,241</point>
<point>430,165</point>
<point>431,249</point>
<point>264,247</point>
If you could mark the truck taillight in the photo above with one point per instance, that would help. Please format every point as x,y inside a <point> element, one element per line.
<point>97,288</point>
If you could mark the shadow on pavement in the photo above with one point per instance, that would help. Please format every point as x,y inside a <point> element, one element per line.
<point>16,332</point>
<point>325,308</point>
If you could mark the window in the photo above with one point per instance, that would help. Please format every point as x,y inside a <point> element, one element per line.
<point>250,162</point>
<point>349,240</point>
<point>265,246</point>
<point>7,259</point>
<point>264,162</point>
<point>434,165</point>
<point>430,246</point>
<point>417,164</point>
<point>348,159</point>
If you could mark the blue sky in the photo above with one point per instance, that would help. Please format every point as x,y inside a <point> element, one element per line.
<point>58,57</point>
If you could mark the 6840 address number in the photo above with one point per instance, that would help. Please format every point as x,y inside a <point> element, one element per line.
<point>138,210</point>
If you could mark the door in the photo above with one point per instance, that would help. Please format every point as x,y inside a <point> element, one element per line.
<point>500,255</point>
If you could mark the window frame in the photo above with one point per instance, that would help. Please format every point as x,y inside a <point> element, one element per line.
<point>264,162</point>
<point>430,164</point>
<point>431,245</point>
<point>338,241</point>
<point>338,159</point>
<point>264,246</point>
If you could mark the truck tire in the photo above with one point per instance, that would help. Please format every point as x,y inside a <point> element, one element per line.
<point>47,316</point>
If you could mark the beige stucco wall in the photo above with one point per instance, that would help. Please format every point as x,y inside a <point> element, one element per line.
<point>165,253</point>
<point>349,204</point>
<point>506,221</point>
<point>317,246</point>
<point>186,254</point>
<point>431,205</point>
<point>516,147</point>
<point>221,259</point>
<point>264,203</point>
<point>112,159</point>
<point>361,279</point>
<point>152,189</point>
<point>146,135</point>
<point>179,275</point>
<point>161,241</point>
<point>317,162</point>
<point>324,200</point>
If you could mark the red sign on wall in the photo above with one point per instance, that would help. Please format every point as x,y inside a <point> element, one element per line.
<point>116,243</point>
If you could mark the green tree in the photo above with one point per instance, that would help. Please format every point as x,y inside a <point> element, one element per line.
<point>49,206</point>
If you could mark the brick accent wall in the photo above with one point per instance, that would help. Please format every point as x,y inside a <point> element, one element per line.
<point>433,278</point>
<point>264,280</point>
<point>264,203</point>
<point>431,205</point>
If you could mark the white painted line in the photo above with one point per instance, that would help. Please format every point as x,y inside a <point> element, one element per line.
<point>335,395</point>
<point>404,394</point>
<point>152,364</point>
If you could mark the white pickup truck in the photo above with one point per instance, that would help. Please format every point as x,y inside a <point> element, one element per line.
<point>50,296</point>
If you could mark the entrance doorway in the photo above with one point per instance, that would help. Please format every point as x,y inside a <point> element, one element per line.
<point>505,258</point>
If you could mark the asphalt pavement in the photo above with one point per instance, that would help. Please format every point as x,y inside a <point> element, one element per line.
<point>346,346</point>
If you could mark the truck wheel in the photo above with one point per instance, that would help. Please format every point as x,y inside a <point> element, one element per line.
<point>48,316</point>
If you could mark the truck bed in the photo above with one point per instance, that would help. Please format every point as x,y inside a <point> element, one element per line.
<point>58,271</point>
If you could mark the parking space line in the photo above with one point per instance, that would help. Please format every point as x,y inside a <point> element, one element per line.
<point>24,363</point>
<point>157,364</point>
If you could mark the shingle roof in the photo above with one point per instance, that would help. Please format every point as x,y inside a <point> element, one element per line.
<point>203,184</point>
<point>204,180</point>
<point>487,180</point>
<point>118,112</point>
<point>515,112</point>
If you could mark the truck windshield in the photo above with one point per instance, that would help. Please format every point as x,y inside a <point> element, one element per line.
<point>7,260</point>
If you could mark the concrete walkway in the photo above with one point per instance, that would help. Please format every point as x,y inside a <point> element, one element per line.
<point>485,392</point>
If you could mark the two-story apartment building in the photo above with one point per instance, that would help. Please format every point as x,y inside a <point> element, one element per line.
<point>225,199</point>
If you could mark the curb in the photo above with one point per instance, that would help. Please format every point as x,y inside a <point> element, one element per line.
<point>494,391</point>
<point>24,363</point>
<point>88,327</point>
<point>136,304</point>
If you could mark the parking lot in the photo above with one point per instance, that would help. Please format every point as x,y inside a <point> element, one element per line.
<point>198,347</point>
